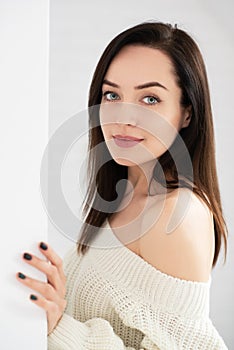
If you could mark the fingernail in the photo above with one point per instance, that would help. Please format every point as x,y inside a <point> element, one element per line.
<point>43,246</point>
<point>27,256</point>
<point>33,297</point>
<point>21,275</point>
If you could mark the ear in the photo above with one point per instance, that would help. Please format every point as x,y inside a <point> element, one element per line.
<point>187,116</point>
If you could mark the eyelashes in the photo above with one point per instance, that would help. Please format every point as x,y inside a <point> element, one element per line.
<point>107,93</point>
<point>154,99</point>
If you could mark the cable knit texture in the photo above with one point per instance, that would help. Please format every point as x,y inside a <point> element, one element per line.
<point>116,300</point>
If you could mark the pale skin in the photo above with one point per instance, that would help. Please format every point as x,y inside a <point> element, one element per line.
<point>188,252</point>
<point>134,66</point>
<point>51,295</point>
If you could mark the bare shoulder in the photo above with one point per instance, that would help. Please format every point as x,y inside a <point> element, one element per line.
<point>181,242</point>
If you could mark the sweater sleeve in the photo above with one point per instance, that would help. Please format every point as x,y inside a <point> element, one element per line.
<point>172,331</point>
<point>94,334</point>
<point>175,316</point>
<point>167,331</point>
<point>171,313</point>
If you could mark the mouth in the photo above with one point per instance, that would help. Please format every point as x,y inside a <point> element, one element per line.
<point>127,138</point>
<point>126,141</point>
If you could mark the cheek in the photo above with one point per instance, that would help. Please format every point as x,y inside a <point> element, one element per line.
<point>177,121</point>
<point>155,144</point>
<point>154,126</point>
<point>173,113</point>
<point>105,127</point>
<point>106,130</point>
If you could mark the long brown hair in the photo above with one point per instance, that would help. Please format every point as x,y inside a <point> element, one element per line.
<point>198,136</point>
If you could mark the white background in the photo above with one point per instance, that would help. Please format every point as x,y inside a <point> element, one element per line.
<point>24,80</point>
<point>79,32</point>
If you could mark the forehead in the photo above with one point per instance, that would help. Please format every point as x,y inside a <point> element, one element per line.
<point>137,64</point>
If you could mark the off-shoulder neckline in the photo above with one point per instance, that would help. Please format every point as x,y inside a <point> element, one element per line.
<point>138,258</point>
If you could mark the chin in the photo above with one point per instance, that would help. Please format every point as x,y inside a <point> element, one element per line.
<point>122,161</point>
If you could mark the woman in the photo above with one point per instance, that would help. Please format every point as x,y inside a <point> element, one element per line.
<point>150,124</point>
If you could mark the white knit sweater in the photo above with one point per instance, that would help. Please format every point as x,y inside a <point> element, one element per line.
<point>116,300</point>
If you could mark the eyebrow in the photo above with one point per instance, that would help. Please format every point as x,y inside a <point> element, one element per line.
<point>142,86</point>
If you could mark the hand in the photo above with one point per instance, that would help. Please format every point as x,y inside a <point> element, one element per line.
<point>53,291</point>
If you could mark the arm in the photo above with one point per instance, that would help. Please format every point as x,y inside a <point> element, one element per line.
<point>64,331</point>
<point>188,327</point>
<point>175,318</point>
<point>171,313</point>
<point>94,334</point>
<point>175,332</point>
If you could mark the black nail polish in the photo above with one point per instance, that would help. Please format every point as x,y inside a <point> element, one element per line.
<point>43,246</point>
<point>33,297</point>
<point>21,275</point>
<point>27,256</point>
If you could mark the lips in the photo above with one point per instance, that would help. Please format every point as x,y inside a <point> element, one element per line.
<point>126,141</point>
<point>127,138</point>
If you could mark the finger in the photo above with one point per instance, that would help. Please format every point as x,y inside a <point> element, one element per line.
<point>49,269</point>
<point>54,311</point>
<point>54,258</point>
<point>45,304</point>
<point>45,289</point>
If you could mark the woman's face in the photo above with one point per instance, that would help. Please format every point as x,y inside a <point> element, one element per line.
<point>126,82</point>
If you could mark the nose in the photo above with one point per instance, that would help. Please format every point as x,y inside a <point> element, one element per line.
<point>121,113</point>
<point>126,120</point>
<point>127,114</point>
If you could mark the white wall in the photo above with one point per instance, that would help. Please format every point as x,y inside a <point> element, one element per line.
<point>79,33</point>
<point>23,136</point>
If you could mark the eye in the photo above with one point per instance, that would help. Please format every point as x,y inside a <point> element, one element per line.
<point>110,96</point>
<point>152,100</point>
